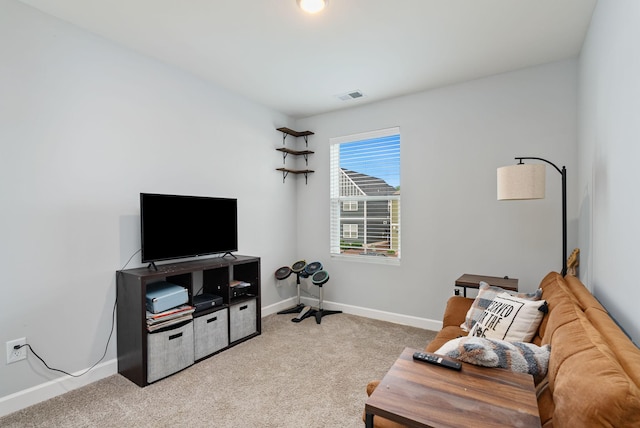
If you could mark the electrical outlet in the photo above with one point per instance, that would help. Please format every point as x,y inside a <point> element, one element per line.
<point>14,355</point>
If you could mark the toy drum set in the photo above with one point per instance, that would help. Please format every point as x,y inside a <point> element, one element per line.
<point>318,276</point>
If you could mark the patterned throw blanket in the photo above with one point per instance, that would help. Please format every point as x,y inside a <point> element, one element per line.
<point>519,357</point>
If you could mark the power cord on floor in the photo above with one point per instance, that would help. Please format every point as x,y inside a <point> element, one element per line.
<point>113,321</point>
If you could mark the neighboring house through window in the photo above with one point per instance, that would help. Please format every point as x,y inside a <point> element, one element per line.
<point>365,196</point>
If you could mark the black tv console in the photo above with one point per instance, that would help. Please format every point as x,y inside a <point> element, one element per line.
<point>145,357</point>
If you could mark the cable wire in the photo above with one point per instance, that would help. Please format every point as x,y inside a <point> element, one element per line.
<point>113,322</point>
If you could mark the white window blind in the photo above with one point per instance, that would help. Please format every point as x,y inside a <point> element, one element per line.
<point>365,196</point>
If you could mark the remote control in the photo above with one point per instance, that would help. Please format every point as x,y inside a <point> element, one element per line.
<point>437,360</point>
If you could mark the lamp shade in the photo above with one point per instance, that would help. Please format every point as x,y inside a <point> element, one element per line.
<point>521,181</point>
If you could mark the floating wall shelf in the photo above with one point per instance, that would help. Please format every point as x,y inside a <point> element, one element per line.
<point>286,151</point>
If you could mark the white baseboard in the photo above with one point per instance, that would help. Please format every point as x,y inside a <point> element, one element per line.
<point>36,394</point>
<point>277,307</point>
<point>44,391</point>
<point>427,324</point>
<point>409,320</point>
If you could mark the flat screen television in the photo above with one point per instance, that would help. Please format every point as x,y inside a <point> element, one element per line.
<point>174,226</point>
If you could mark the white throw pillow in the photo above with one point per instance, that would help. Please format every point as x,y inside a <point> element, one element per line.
<point>486,294</point>
<point>509,318</point>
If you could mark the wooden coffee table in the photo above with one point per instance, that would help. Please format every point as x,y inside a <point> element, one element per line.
<point>417,394</point>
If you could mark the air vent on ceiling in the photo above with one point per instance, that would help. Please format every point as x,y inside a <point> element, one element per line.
<point>351,95</point>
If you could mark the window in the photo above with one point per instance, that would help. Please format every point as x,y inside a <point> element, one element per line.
<point>350,206</point>
<point>350,231</point>
<point>365,196</point>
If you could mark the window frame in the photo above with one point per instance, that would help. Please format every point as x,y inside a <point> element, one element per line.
<point>393,222</point>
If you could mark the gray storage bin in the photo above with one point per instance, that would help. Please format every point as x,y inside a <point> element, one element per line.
<point>242,318</point>
<point>169,351</point>
<point>211,333</point>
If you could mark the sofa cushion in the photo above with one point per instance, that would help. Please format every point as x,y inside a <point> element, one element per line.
<point>457,307</point>
<point>626,353</point>
<point>590,384</point>
<point>582,296</point>
<point>445,335</point>
<point>454,313</point>
<point>519,357</point>
<point>545,402</point>
<point>510,318</point>
<point>553,292</point>
<point>486,294</point>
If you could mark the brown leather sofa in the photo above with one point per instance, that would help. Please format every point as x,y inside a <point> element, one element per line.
<point>594,369</point>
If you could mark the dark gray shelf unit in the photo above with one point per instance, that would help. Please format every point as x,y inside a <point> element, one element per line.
<point>217,273</point>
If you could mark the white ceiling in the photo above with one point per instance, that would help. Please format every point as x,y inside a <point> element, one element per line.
<point>275,54</point>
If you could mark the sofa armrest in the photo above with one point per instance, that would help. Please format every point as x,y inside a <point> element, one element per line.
<point>371,386</point>
<point>456,310</point>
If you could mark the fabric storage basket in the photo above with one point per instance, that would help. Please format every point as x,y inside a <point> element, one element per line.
<point>169,351</point>
<point>242,318</point>
<point>211,333</point>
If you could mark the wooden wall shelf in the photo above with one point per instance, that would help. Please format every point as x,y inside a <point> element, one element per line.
<point>286,151</point>
<point>287,171</point>
<point>295,133</point>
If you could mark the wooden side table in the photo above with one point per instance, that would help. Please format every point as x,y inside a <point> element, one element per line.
<point>421,395</point>
<point>473,281</point>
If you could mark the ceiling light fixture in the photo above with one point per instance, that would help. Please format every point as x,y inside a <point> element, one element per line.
<point>312,6</point>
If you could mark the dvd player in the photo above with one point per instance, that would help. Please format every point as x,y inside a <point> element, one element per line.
<point>205,301</point>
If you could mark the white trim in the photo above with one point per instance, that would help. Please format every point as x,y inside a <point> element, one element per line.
<point>391,261</point>
<point>277,307</point>
<point>409,320</point>
<point>47,390</point>
<point>365,135</point>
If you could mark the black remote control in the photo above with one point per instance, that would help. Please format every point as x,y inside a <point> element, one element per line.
<point>437,360</point>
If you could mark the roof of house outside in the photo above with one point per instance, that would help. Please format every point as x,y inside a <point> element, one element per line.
<point>370,186</point>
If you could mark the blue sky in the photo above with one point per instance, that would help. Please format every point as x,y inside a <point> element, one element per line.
<point>378,157</point>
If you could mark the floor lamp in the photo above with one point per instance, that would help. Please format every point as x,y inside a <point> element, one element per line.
<point>527,181</point>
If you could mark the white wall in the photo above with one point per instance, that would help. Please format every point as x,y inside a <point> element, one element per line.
<point>608,153</point>
<point>453,139</point>
<point>85,126</point>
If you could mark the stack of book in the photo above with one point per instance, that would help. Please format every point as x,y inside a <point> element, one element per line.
<point>239,284</point>
<point>239,288</point>
<point>169,317</point>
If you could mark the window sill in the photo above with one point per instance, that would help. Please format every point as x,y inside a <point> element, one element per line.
<point>378,260</point>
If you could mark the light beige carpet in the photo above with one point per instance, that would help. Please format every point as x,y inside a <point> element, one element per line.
<point>293,375</point>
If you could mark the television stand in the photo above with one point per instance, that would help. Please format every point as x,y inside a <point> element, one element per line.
<point>147,356</point>
<point>228,252</point>
<point>152,265</point>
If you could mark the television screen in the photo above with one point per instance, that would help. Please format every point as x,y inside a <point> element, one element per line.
<point>175,226</point>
